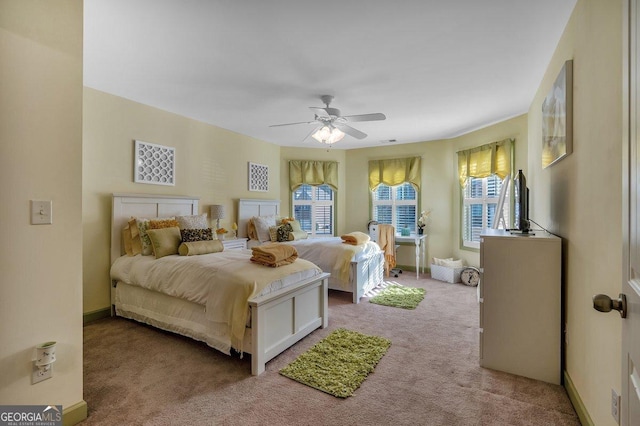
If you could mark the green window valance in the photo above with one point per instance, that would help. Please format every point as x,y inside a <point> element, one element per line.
<point>313,173</point>
<point>485,160</point>
<point>394,172</point>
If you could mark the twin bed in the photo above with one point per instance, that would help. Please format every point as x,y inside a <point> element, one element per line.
<point>276,307</point>
<point>290,303</point>
<point>356,272</point>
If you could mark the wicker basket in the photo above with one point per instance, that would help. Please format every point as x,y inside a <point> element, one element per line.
<point>444,273</point>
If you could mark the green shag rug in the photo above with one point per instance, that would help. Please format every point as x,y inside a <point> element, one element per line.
<point>339,363</point>
<point>399,296</point>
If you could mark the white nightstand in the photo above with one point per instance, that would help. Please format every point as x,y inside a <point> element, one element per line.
<point>235,244</point>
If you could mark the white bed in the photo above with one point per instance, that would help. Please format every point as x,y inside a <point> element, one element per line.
<point>287,310</point>
<point>365,269</point>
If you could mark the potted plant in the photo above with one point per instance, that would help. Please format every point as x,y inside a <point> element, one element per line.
<point>422,221</point>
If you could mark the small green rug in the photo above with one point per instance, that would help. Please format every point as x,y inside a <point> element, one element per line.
<point>339,363</point>
<point>399,296</point>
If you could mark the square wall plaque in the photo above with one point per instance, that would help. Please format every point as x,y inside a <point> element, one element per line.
<point>258,177</point>
<point>154,164</point>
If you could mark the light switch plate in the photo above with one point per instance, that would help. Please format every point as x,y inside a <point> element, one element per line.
<point>41,212</point>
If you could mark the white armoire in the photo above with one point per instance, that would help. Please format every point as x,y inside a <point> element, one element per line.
<point>520,304</point>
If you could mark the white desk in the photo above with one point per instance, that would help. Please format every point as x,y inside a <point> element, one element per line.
<point>418,240</point>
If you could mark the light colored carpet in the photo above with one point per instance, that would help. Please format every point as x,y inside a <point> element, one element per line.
<point>339,363</point>
<point>137,375</point>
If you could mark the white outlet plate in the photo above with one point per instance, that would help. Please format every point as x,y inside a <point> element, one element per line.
<point>38,375</point>
<point>615,405</point>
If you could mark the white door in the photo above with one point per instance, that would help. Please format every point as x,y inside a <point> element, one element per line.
<point>630,404</point>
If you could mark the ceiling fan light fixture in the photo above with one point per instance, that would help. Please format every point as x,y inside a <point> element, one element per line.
<point>328,134</point>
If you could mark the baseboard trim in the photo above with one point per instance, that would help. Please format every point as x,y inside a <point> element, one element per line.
<point>578,405</point>
<point>96,315</point>
<point>74,414</point>
<point>406,267</point>
<point>412,268</point>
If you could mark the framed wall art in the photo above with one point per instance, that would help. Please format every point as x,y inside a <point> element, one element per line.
<point>258,177</point>
<point>154,164</point>
<point>557,118</point>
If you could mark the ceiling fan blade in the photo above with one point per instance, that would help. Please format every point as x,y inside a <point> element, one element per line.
<point>320,112</point>
<point>365,117</point>
<point>350,130</point>
<point>315,129</point>
<point>292,124</point>
<point>326,112</point>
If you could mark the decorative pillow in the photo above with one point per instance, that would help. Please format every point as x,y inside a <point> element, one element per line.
<point>131,239</point>
<point>251,230</point>
<point>298,235</point>
<point>189,235</point>
<point>200,247</point>
<point>126,241</point>
<point>273,233</point>
<point>262,224</point>
<point>165,241</point>
<point>295,226</point>
<point>163,223</point>
<point>199,221</point>
<point>143,224</point>
<point>283,232</point>
<point>136,242</point>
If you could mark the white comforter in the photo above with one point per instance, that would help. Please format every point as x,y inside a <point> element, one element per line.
<point>222,282</point>
<point>333,256</point>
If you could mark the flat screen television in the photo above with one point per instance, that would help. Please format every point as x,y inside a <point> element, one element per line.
<point>521,193</point>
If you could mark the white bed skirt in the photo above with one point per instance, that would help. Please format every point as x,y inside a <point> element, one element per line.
<point>278,320</point>
<point>172,314</point>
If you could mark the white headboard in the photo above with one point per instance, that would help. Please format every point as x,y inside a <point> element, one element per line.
<point>126,206</point>
<point>247,208</point>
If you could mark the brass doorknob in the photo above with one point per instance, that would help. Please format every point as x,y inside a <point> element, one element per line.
<point>603,303</point>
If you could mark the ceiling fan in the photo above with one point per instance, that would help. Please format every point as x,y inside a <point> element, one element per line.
<point>331,126</point>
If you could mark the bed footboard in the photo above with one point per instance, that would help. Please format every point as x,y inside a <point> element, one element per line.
<point>280,319</point>
<point>366,274</point>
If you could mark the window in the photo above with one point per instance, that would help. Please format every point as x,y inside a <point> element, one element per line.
<point>313,208</point>
<point>396,205</point>
<point>480,205</point>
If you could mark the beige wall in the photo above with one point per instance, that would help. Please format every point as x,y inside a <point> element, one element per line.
<point>211,163</point>
<point>41,159</point>
<point>579,197</point>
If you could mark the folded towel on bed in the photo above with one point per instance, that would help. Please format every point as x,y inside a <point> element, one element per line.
<point>355,238</point>
<point>274,254</point>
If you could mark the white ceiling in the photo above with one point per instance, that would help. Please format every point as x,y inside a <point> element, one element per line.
<point>435,68</point>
